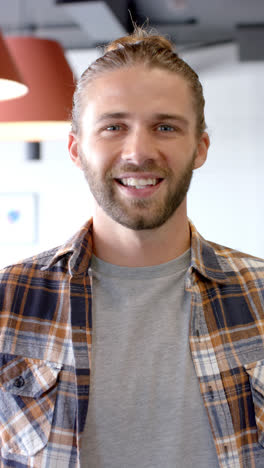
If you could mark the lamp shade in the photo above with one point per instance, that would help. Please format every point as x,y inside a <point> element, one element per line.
<point>44,113</point>
<point>12,84</point>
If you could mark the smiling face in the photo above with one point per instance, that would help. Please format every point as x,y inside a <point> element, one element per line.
<point>138,145</point>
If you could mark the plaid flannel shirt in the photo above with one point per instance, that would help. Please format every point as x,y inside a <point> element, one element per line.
<point>45,346</point>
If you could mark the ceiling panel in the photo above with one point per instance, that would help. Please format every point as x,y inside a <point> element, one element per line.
<point>190,23</point>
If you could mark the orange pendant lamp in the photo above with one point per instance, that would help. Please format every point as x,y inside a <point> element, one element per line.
<point>12,84</point>
<point>44,113</point>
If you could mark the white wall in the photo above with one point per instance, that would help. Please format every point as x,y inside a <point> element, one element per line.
<point>225,199</point>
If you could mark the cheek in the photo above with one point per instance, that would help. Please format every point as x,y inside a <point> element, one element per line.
<point>97,162</point>
<point>103,155</point>
<point>179,158</point>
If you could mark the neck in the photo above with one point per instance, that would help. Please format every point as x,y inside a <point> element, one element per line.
<point>125,247</point>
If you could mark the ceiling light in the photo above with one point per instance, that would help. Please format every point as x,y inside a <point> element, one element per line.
<point>177,4</point>
<point>44,113</point>
<point>11,83</point>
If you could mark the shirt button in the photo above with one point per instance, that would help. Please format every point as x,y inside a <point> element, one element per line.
<point>19,382</point>
<point>211,393</point>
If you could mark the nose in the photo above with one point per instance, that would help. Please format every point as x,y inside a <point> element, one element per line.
<point>139,146</point>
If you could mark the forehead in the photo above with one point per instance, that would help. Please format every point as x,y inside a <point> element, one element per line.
<point>138,90</point>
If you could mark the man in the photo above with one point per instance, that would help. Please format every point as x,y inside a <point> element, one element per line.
<point>160,329</point>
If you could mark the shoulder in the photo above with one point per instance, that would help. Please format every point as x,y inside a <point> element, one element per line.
<point>224,264</point>
<point>237,262</point>
<point>28,266</point>
<point>53,263</point>
<point>32,285</point>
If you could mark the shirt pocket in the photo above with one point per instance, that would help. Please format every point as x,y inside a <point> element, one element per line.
<point>255,371</point>
<point>28,389</point>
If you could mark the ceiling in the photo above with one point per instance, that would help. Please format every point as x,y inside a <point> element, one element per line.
<point>84,24</point>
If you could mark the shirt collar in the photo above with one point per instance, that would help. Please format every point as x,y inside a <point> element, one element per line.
<point>78,249</point>
<point>206,257</point>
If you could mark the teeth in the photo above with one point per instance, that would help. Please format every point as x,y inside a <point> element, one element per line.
<point>138,183</point>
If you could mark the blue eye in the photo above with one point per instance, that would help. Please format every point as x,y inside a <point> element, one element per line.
<point>166,128</point>
<point>112,128</point>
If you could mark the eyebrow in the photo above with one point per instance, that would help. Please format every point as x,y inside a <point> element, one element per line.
<point>125,115</point>
<point>172,117</point>
<point>112,115</point>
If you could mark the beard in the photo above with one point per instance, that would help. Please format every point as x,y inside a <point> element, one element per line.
<point>139,214</point>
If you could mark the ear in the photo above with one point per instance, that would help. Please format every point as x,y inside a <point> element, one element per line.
<point>73,149</point>
<point>202,150</point>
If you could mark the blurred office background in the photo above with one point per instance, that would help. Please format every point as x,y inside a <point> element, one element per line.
<point>44,201</point>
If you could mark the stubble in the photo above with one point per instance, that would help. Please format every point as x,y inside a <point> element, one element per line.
<point>138,213</point>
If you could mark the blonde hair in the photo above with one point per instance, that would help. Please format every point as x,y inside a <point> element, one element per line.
<point>141,47</point>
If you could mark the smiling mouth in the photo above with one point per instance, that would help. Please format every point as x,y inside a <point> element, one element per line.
<point>139,183</point>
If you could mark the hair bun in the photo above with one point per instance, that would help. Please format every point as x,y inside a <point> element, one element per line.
<point>141,36</point>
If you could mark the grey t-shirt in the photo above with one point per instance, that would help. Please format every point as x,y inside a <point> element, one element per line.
<point>145,407</point>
